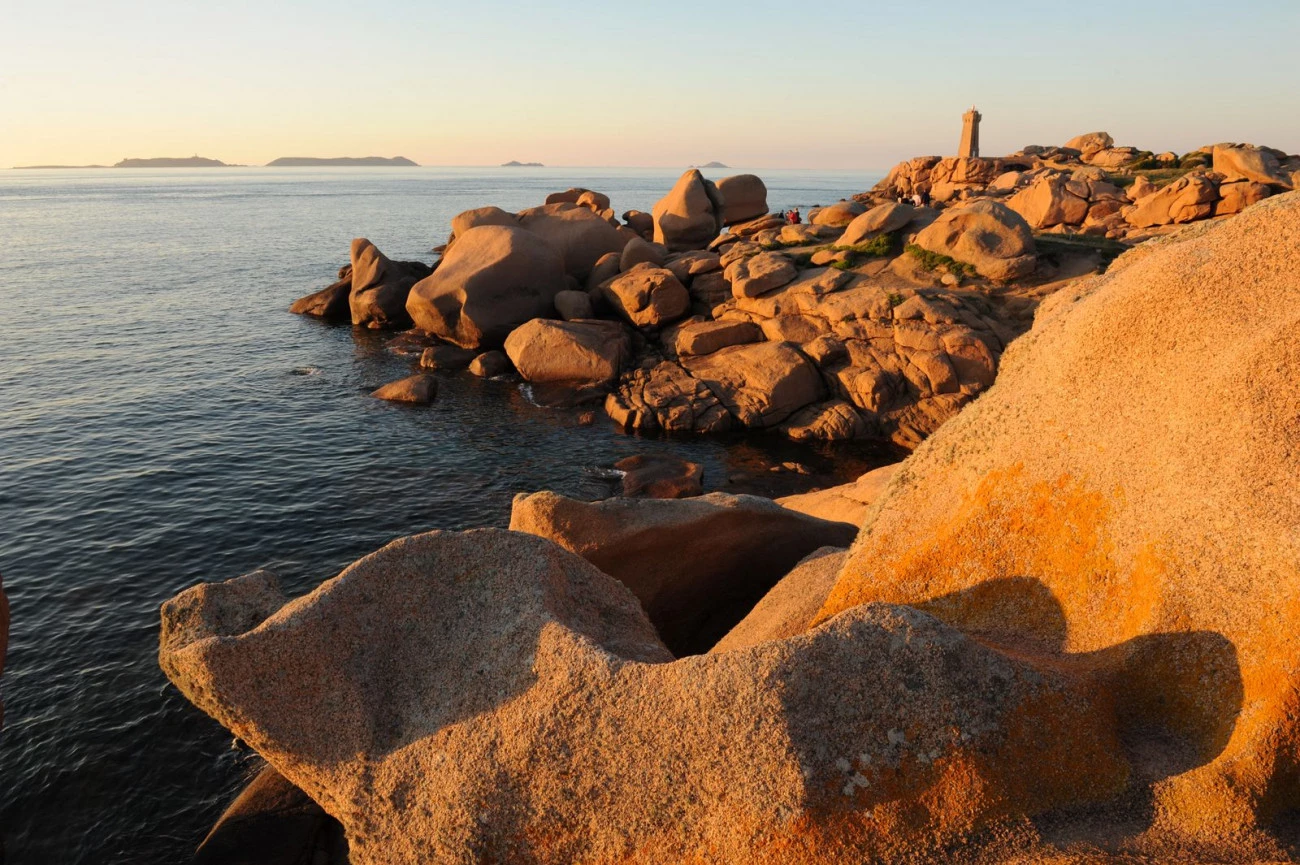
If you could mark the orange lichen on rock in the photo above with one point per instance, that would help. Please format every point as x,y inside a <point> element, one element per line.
<point>1124,504</point>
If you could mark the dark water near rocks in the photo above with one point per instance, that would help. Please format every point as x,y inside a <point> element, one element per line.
<point>164,421</point>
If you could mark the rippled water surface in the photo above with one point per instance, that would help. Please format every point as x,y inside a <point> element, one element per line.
<point>164,421</point>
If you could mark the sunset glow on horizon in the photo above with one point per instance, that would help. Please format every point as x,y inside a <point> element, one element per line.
<point>843,85</point>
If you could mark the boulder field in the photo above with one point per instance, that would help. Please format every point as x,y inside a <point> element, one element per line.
<point>877,322</point>
<point>1064,631</point>
<point>1092,187</point>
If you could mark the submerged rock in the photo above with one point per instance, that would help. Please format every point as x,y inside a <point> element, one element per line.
<point>490,364</point>
<point>488,696</point>
<point>418,389</point>
<point>697,565</point>
<point>659,476</point>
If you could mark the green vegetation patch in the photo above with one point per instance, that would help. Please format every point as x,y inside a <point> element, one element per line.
<point>936,261</point>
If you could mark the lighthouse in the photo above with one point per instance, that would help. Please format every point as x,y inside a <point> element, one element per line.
<point>970,134</point>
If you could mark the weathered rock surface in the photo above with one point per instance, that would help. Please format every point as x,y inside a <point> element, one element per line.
<point>464,221</point>
<point>1050,200</point>
<point>569,352</point>
<point>487,696</point>
<point>272,822</point>
<point>831,421</point>
<point>1090,143</point>
<point>759,274</point>
<point>331,302</point>
<point>760,384</point>
<point>580,236</point>
<point>882,219</point>
<point>1189,198</point>
<point>744,197</point>
<point>839,214</point>
<point>846,503</point>
<point>660,476</point>
<point>985,234</point>
<point>638,251</point>
<point>1237,196</point>
<point>1247,162</point>
<point>706,337</point>
<point>492,280</point>
<point>666,398</point>
<point>380,286</point>
<point>648,296</point>
<point>790,607</point>
<point>689,216</point>
<point>697,565</point>
<point>1128,535</point>
<point>418,389</point>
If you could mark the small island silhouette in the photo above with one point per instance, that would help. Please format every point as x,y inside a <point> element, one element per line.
<point>516,164</point>
<point>711,165</point>
<point>173,162</point>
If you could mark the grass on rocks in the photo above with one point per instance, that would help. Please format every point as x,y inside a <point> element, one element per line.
<point>936,261</point>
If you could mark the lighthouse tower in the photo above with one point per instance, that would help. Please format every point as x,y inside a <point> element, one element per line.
<point>970,133</point>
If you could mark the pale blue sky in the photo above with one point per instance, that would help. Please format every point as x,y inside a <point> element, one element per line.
<point>829,84</point>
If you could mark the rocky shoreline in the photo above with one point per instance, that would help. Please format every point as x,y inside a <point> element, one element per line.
<point>1061,630</point>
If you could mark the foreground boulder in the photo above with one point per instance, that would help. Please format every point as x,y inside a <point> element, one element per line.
<point>1088,510</point>
<point>488,697</point>
<point>689,216</point>
<point>380,286</point>
<point>660,476</point>
<point>846,503</point>
<point>569,352</point>
<point>697,565</point>
<point>881,219</point>
<point>987,235</point>
<point>492,280</point>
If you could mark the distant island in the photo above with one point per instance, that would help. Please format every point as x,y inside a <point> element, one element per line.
<point>173,162</point>
<point>348,161</point>
<point>713,165</point>
<point>515,164</point>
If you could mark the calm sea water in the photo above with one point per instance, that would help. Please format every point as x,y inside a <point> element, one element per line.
<point>164,421</point>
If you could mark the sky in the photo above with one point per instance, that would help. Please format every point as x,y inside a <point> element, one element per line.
<point>824,85</point>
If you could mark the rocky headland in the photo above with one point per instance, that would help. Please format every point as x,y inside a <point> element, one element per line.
<point>1059,631</point>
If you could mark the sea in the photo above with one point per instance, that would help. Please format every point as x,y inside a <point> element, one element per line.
<point>165,421</point>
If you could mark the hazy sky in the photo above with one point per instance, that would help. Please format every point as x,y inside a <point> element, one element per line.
<point>824,84</point>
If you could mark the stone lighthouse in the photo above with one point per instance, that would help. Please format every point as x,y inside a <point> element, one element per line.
<point>970,133</point>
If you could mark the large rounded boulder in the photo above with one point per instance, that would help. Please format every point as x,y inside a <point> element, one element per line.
<point>579,235</point>
<point>648,296</point>
<point>744,198</point>
<point>987,235</point>
<point>690,216</point>
<point>492,280</point>
<point>569,352</point>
